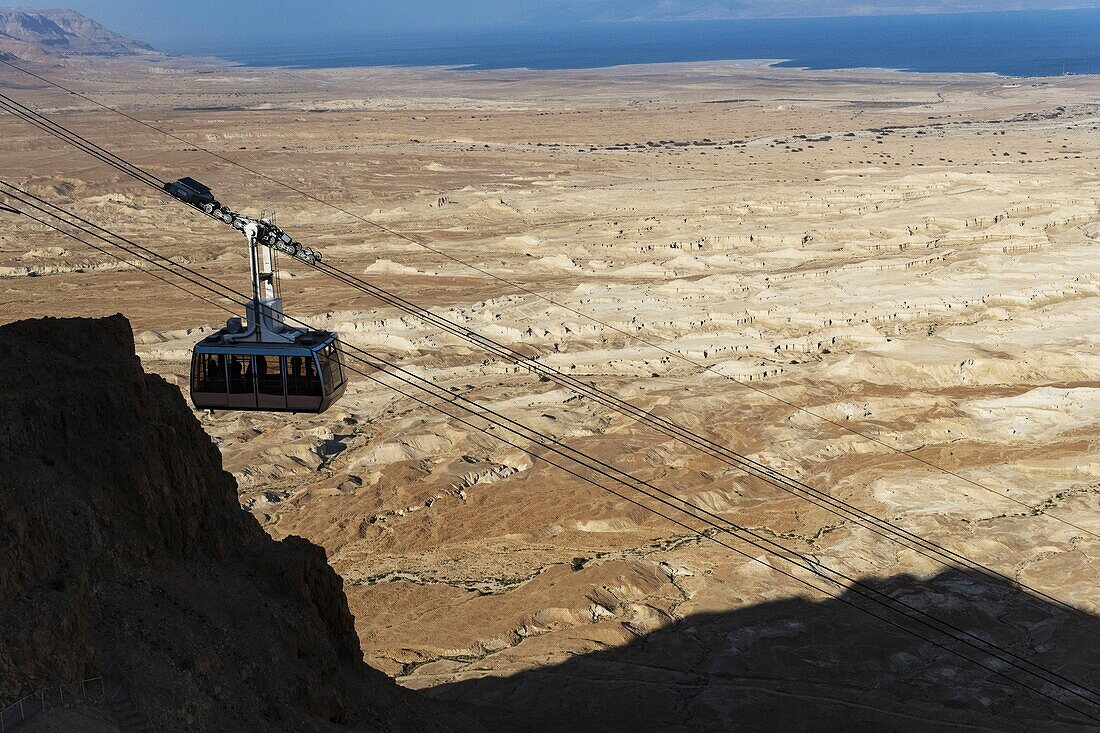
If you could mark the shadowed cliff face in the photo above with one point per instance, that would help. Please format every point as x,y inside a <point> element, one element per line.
<point>817,665</point>
<point>123,547</point>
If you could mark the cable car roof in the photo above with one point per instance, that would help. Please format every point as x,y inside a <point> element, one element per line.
<point>307,344</point>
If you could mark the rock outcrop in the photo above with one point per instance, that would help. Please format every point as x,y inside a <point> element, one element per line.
<point>31,33</point>
<point>123,549</point>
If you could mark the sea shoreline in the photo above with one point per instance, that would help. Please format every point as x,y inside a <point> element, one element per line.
<point>757,64</point>
<point>1010,45</point>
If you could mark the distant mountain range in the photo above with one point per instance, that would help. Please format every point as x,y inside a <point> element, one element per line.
<point>31,34</point>
<point>627,10</point>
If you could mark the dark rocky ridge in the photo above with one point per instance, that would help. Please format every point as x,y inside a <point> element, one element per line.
<point>122,546</point>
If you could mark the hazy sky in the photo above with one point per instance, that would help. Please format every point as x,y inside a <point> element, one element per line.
<point>178,23</point>
<point>155,20</point>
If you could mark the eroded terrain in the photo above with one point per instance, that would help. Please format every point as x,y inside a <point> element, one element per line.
<point>881,284</point>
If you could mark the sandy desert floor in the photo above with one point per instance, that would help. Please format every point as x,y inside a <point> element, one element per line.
<point>781,260</point>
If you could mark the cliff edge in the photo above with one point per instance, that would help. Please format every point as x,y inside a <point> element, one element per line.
<point>124,550</point>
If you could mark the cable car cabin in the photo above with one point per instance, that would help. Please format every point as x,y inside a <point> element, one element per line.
<point>304,376</point>
<point>266,365</point>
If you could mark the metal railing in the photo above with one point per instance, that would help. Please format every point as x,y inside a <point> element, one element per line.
<point>90,690</point>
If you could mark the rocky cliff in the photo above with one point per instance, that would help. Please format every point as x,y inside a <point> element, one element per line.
<point>124,549</point>
<point>32,34</point>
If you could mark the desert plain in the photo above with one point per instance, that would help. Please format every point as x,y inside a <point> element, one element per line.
<point>882,284</point>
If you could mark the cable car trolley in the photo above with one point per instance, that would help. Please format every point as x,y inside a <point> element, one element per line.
<point>261,363</point>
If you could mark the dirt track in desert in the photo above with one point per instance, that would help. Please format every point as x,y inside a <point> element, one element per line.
<point>882,284</point>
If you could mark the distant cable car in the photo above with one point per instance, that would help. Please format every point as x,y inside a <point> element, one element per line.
<point>266,365</point>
